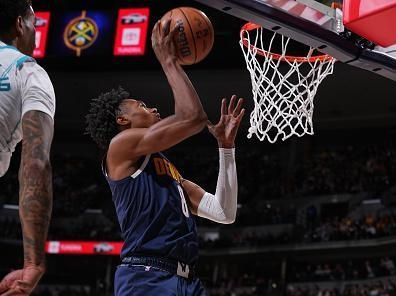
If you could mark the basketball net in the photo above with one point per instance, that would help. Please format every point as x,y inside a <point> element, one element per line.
<point>283,86</point>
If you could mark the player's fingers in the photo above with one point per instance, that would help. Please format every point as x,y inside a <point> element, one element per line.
<point>240,116</point>
<point>224,106</point>
<point>231,105</point>
<point>3,286</point>
<point>24,286</point>
<point>174,31</point>
<point>12,292</point>
<point>166,27</point>
<point>209,124</point>
<point>238,107</point>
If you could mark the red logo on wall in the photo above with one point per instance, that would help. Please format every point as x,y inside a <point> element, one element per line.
<point>132,25</point>
<point>42,25</point>
<point>83,248</point>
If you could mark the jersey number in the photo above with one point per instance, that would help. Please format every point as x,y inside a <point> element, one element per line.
<point>183,202</point>
<point>4,84</point>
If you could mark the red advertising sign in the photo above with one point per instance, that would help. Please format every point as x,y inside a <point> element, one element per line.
<point>42,25</point>
<point>83,248</point>
<point>132,25</point>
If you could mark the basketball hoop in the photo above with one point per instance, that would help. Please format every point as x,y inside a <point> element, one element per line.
<point>283,86</point>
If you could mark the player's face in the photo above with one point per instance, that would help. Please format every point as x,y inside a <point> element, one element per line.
<point>27,33</point>
<point>140,115</point>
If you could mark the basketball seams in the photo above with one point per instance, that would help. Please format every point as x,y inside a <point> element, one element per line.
<point>192,34</point>
<point>204,17</point>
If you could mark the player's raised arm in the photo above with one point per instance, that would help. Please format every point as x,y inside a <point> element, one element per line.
<point>220,207</point>
<point>189,117</point>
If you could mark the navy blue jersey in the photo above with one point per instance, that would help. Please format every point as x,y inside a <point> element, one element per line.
<point>153,214</point>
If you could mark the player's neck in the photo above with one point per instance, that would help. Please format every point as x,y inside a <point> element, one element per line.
<point>8,40</point>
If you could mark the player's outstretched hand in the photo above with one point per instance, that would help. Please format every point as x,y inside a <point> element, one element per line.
<point>226,129</point>
<point>162,41</point>
<point>21,282</point>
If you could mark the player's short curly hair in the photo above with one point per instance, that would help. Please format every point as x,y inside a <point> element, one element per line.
<point>9,12</point>
<point>101,118</point>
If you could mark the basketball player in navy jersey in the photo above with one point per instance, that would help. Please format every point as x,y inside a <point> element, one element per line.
<point>154,204</point>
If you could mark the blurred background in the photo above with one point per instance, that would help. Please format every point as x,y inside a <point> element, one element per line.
<point>316,215</point>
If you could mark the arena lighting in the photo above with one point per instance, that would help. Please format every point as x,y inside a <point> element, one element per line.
<point>11,207</point>
<point>375,201</point>
<point>93,211</point>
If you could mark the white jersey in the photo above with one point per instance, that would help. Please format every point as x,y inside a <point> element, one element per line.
<point>24,86</point>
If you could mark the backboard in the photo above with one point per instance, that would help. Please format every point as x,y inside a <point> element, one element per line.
<point>314,23</point>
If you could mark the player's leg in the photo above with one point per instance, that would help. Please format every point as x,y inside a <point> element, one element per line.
<point>189,287</point>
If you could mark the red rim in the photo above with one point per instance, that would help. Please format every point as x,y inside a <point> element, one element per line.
<point>276,56</point>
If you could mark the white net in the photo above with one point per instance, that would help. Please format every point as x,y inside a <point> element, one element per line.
<point>283,87</point>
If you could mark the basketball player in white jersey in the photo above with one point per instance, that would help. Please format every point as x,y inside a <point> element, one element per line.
<point>27,107</point>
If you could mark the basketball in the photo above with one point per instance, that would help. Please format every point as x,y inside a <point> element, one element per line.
<point>195,37</point>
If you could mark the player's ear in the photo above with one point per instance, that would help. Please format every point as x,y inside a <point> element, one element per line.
<point>19,26</point>
<point>122,120</point>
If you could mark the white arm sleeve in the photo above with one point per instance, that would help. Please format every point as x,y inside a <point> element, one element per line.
<point>36,90</point>
<point>222,206</point>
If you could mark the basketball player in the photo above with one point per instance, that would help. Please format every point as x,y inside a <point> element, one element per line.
<point>27,106</point>
<point>154,204</point>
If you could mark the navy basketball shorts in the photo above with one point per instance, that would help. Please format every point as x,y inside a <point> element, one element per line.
<point>140,280</point>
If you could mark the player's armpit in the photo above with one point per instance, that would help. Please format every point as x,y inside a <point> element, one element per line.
<point>35,177</point>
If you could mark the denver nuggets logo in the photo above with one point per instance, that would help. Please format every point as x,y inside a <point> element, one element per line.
<point>80,33</point>
<point>165,167</point>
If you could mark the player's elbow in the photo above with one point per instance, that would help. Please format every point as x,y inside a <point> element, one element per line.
<point>228,219</point>
<point>198,121</point>
<point>37,166</point>
<point>201,120</point>
<point>36,173</point>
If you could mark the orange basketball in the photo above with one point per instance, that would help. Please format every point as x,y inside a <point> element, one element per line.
<point>195,37</point>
